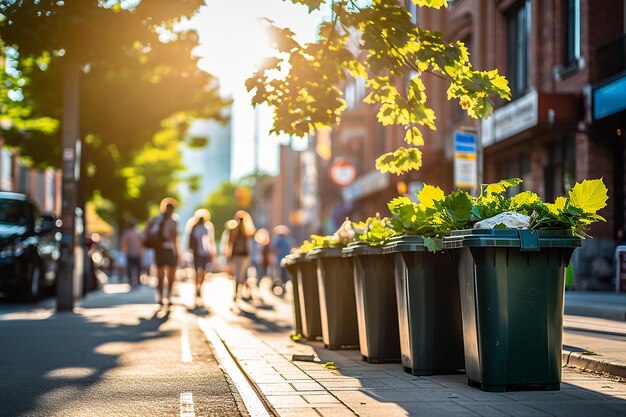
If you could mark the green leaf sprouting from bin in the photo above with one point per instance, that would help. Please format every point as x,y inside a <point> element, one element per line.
<point>437,214</point>
<point>374,231</point>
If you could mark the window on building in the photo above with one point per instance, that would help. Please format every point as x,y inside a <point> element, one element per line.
<point>571,32</point>
<point>518,25</point>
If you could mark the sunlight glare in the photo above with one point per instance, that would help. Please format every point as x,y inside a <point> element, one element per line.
<point>242,43</point>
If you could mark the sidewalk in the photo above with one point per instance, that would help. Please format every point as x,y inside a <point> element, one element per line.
<point>594,331</point>
<point>258,338</point>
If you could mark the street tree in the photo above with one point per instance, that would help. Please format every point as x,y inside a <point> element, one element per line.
<point>378,41</point>
<point>140,86</point>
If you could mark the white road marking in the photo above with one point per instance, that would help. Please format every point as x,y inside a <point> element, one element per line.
<point>185,348</point>
<point>253,403</point>
<point>186,405</point>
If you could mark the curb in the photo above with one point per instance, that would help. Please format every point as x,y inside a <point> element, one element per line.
<point>593,363</point>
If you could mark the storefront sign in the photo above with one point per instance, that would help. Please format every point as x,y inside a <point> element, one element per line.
<point>517,116</point>
<point>609,98</point>
<point>465,160</point>
<point>367,184</point>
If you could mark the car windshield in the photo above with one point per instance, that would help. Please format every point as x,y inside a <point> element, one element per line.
<point>13,212</point>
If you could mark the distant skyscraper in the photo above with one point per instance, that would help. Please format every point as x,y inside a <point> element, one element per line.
<point>211,163</point>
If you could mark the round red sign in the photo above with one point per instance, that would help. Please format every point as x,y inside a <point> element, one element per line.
<point>342,172</point>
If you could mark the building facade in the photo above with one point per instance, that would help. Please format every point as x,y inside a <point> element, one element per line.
<point>566,65</point>
<point>42,186</point>
<point>565,62</point>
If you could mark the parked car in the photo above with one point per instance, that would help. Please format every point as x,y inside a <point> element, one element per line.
<point>29,247</point>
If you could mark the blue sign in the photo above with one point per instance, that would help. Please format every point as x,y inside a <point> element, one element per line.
<point>610,98</point>
<point>465,142</point>
<point>465,160</point>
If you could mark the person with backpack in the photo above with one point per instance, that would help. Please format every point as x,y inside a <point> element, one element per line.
<point>162,236</point>
<point>240,247</point>
<point>201,243</point>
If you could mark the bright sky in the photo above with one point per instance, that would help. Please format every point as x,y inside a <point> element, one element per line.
<point>233,41</point>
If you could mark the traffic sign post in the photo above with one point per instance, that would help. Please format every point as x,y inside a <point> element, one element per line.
<point>465,160</point>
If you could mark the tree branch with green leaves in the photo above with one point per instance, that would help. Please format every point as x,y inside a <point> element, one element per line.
<point>378,42</point>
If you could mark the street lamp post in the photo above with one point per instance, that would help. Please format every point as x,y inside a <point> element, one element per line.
<point>70,161</point>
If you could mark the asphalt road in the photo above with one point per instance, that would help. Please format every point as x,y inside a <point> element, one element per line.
<point>110,360</point>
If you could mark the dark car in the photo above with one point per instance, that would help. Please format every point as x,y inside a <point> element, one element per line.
<point>29,247</point>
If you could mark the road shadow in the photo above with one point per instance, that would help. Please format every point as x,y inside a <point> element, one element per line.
<point>259,323</point>
<point>47,358</point>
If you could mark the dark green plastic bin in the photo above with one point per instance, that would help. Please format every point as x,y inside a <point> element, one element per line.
<point>289,262</point>
<point>375,293</point>
<point>429,312</point>
<point>337,301</point>
<point>512,301</point>
<point>308,295</point>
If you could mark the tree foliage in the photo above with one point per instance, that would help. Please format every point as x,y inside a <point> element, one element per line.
<point>375,40</point>
<point>139,88</point>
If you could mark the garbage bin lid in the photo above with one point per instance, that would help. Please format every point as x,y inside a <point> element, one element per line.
<point>361,248</point>
<point>405,243</point>
<point>323,253</point>
<point>526,240</point>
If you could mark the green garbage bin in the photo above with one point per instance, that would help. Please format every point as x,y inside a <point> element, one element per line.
<point>337,300</point>
<point>375,293</point>
<point>512,285</point>
<point>429,312</point>
<point>289,262</point>
<point>308,296</point>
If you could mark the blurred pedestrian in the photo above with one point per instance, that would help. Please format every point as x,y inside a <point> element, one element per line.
<point>281,245</point>
<point>262,252</point>
<point>201,244</point>
<point>132,245</point>
<point>164,228</point>
<point>262,257</point>
<point>239,248</point>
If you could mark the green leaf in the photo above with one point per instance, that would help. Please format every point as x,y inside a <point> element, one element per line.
<point>432,244</point>
<point>590,195</point>
<point>414,136</point>
<point>522,199</point>
<point>429,194</point>
<point>500,186</point>
<point>431,3</point>
<point>558,206</point>
<point>400,161</point>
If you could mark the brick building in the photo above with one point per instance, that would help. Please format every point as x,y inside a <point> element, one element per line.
<point>566,64</point>
<point>42,186</point>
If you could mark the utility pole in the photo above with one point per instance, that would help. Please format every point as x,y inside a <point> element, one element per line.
<point>70,173</point>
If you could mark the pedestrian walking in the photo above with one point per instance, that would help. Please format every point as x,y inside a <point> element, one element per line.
<point>281,245</point>
<point>162,235</point>
<point>132,245</point>
<point>201,244</point>
<point>262,253</point>
<point>239,248</point>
